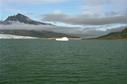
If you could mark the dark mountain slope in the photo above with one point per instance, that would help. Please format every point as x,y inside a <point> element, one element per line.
<point>115,35</point>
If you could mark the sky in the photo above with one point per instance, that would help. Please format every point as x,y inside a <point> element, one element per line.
<point>37,9</point>
<point>93,14</point>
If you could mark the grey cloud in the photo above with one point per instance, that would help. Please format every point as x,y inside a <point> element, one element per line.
<point>103,2</point>
<point>21,26</point>
<point>83,20</point>
<point>105,7</point>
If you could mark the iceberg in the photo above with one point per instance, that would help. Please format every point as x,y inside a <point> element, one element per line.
<point>62,39</point>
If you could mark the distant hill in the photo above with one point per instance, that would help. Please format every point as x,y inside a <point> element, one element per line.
<point>32,33</point>
<point>21,19</point>
<point>115,35</point>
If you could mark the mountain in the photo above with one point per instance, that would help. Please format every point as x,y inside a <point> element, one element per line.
<point>115,35</point>
<point>22,19</point>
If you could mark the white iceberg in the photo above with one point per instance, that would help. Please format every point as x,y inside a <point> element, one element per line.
<point>62,39</point>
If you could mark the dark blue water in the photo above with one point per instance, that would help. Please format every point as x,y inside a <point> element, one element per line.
<point>73,62</point>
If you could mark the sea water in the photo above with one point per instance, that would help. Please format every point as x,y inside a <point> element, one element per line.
<point>72,62</point>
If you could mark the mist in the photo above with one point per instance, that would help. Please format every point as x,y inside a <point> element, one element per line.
<point>82,31</point>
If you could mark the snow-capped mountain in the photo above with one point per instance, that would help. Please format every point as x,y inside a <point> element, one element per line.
<point>20,18</point>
